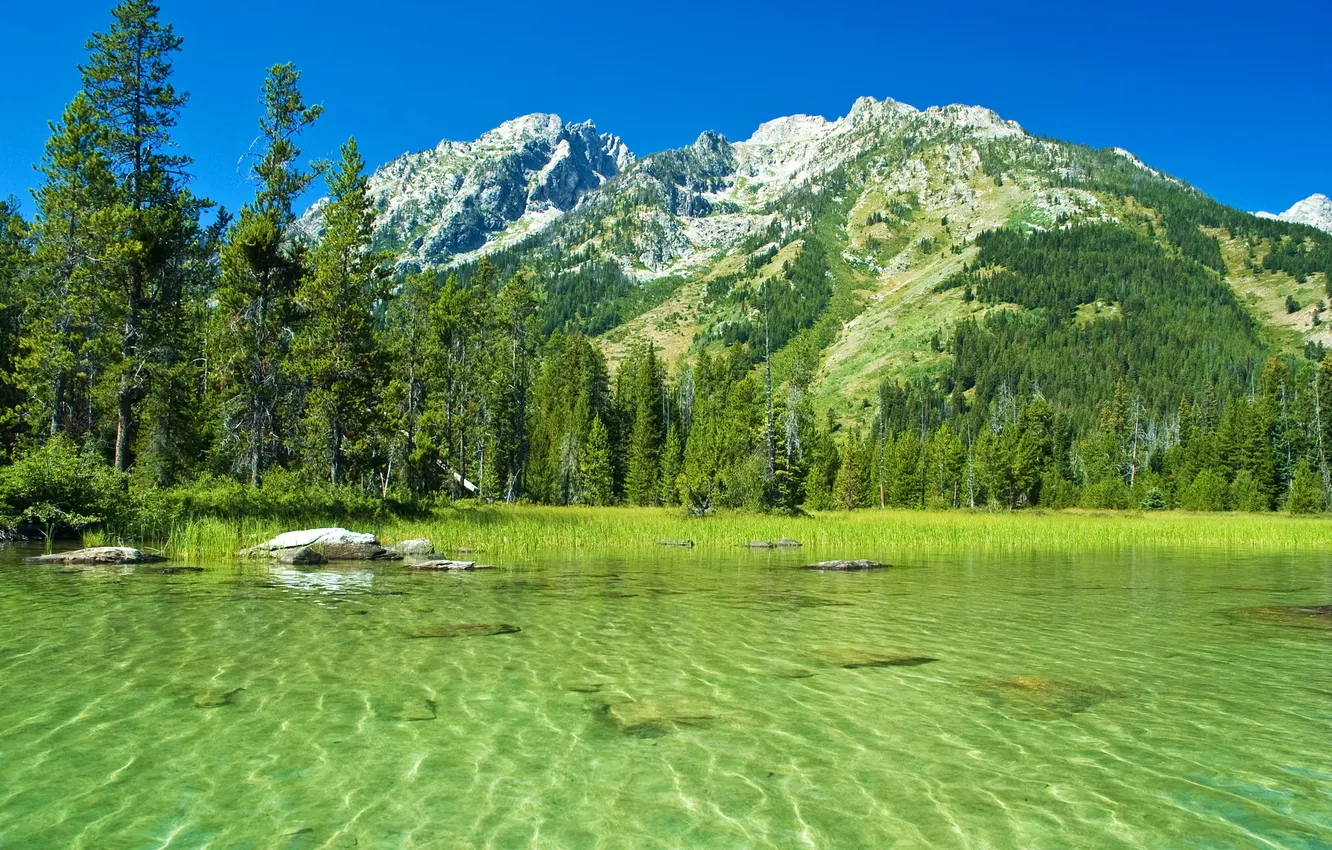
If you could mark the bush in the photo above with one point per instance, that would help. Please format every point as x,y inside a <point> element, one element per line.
<point>1207,492</point>
<point>60,488</point>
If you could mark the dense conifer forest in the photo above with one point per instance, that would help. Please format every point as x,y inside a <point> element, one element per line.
<point>162,357</point>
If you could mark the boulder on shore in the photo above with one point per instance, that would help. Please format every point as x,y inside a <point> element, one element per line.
<point>449,566</point>
<point>333,544</point>
<point>413,547</point>
<point>847,566</point>
<point>98,555</point>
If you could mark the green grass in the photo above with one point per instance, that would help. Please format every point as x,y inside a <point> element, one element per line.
<point>511,530</point>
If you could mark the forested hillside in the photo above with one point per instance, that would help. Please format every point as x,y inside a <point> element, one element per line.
<point>918,309</point>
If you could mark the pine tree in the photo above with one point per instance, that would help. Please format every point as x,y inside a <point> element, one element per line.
<point>512,368</point>
<point>127,79</point>
<point>261,270</point>
<point>337,350</point>
<point>75,226</point>
<point>642,485</point>
<point>14,260</point>
<point>595,466</point>
<point>1306,491</point>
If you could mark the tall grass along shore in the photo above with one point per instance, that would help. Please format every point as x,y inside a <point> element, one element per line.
<point>528,529</point>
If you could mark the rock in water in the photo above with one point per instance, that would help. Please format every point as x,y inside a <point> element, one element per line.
<point>356,552</point>
<point>334,544</point>
<point>855,659</point>
<point>787,543</point>
<point>683,544</point>
<point>453,630</point>
<point>413,547</point>
<point>1041,699</point>
<point>98,555</point>
<point>302,555</point>
<point>847,566</point>
<point>311,536</point>
<point>760,544</point>
<point>656,717</point>
<point>450,566</point>
<point>1290,616</point>
<point>217,699</point>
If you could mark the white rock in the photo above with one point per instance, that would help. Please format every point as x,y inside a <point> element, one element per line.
<point>312,536</point>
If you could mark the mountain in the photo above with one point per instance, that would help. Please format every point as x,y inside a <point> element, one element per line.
<point>944,246</point>
<point>1315,211</point>
<point>463,196</point>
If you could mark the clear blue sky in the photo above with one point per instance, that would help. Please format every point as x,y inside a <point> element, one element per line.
<point>1235,98</point>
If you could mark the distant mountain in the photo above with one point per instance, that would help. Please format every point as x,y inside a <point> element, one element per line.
<point>861,243</point>
<point>1315,211</point>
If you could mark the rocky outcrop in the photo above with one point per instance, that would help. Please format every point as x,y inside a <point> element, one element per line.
<point>99,555</point>
<point>460,196</point>
<point>847,566</point>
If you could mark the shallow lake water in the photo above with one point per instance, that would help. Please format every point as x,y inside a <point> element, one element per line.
<point>671,699</point>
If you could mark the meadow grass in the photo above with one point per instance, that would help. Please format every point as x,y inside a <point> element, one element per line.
<point>501,529</point>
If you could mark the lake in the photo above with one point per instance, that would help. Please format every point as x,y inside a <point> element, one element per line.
<point>671,699</point>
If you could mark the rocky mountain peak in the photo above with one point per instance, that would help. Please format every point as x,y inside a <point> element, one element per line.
<point>1315,211</point>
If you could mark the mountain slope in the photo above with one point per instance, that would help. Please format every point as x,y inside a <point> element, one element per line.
<point>849,249</point>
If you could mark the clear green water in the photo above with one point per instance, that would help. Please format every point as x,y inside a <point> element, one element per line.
<point>672,700</point>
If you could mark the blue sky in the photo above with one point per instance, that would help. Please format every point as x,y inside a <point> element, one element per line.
<point>1236,99</point>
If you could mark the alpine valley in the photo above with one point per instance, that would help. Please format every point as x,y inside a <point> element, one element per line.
<point>893,244</point>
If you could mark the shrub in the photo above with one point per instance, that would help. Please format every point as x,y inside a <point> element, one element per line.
<point>61,488</point>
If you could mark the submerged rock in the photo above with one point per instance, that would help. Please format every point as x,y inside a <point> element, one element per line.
<point>683,544</point>
<point>415,712</point>
<point>1290,616</point>
<point>217,699</point>
<point>454,630</point>
<point>1041,699</point>
<point>847,566</point>
<point>656,717</point>
<point>583,687</point>
<point>172,571</point>
<point>852,659</point>
<point>413,547</point>
<point>449,566</point>
<point>97,555</point>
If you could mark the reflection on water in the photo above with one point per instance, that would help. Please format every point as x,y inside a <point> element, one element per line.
<point>680,699</point>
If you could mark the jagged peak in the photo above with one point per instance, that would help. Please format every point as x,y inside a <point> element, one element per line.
<point>792,128</point>
<point>1315,211</point>
<point>524,128</point>
<point>989,122</point>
